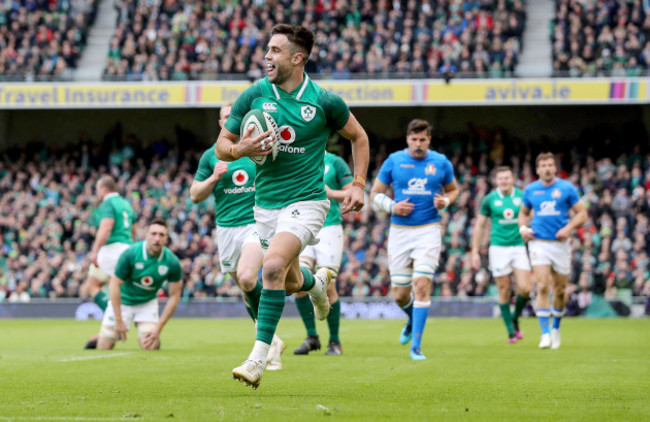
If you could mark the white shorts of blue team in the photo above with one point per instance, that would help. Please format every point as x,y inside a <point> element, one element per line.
<point>107,258</point>
<point>553,253</point>
<point>231,241</point>
<point>329,250</point>
<point>146,312</point>
<point>504,259</point>
<point>303,219</point>
<point>410,248</point>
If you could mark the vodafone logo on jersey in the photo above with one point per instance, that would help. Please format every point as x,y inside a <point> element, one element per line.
<point>240,177</point>
<point>146,283</point>
<point>287,137</point>
<point>508,213</point>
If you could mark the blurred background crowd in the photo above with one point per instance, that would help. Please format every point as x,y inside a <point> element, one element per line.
<point>48,220</point>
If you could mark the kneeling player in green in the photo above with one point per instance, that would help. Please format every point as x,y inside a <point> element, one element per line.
<point>141,270</point>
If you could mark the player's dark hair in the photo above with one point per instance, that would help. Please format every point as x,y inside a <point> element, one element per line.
<point>418,125</point>
<point>159,222</point>
<point>297,35</point>
<point>108,182</point>
<point>501,169</point>
<point>544,156</point>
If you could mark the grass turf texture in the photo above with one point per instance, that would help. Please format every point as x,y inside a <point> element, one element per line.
<point>602,372</point>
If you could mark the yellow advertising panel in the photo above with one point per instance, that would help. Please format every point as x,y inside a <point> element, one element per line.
<point>214,94</point>
<point>101,95</point>
<point>542,91</point>
<point>365,92</point>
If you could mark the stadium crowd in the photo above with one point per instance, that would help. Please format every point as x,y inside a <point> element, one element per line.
<point>42,40</point>
<point>601,37</point>
<point>47,220</point>
<point>197,39</point>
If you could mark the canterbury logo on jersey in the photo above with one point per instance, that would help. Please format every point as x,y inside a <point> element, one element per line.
<point>270,107</point>
<point>287,137</point>
<point>417,186</point>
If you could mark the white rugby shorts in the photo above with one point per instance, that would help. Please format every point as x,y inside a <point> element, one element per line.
<point>146,312</point>
<point>231,241</point>
<point>406,245</point>
<point>108,255</point>
<point>329,250</point>
<point>555,254</point>
<point>304,219</point>
<point>503,259</point>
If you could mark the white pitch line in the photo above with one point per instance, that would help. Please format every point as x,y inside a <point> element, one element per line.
<point>56,418</point>
<point>74,359</point>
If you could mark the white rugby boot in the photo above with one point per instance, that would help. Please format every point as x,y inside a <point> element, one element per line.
<point>249,372</point>
<point>545,342</point>
<point>273,359</point>
<point>555,339</point>
<point>318,293</point>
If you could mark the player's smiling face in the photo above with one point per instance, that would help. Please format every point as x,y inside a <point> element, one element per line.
<point>156,238</point>
<point>505,181</point>
<point>546,170</point>
<point>281,58</point>
<point>418,143</point>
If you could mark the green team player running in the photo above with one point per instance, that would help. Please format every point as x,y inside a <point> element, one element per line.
<point>240,254</point>
<point>141,270</point>
<point>290,199</point>
<point>114,235</point>
<point>327,253</point>
<point>507,252</point>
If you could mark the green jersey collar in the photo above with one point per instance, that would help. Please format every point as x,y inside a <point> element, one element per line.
<point>300,89</point>
<point>110,195</point>
<point>501,195</point>
<point>146,255</point>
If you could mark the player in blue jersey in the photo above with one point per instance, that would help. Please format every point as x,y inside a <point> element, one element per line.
<point>550,198</point>
<point>423,184</point>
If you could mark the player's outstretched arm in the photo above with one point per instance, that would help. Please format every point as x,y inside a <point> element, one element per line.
<point>116,301</point>
<point>153,336</point>
<point>523,220</point>
<point>578,220</point>
<point>477,234</point>
<point>228,149</point>
<point>200,190</point>
<point>337,195</point>
<point>354,197</point>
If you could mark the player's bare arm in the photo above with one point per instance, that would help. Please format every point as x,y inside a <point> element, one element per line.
<point>116,301</point>
<point>451,194</point>
<point>578,220</point>
<point>354,197</point>
<point>383,201</point>
<point>337,195</point>
<point>477,234</point>
<point>103,233</point>
<point>524,220</point>
<point>153,336</point>
<point>228,149</point>
<point>200,190</point>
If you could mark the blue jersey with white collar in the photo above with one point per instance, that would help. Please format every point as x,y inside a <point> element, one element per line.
<point>551,205</point>
<point>418,180</point>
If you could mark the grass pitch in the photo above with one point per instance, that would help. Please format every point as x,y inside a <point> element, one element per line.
<point>602,372</point>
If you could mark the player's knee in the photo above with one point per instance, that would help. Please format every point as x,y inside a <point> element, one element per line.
<point>543,289</point>
<point>247,279</point>
<point>273,268</point>
<point>145,328</point>
<point>107,333</point>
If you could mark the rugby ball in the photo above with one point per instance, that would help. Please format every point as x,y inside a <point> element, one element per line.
<point>262,122</point>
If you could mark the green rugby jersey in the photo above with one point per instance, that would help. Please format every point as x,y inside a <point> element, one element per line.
<point>143,275</point>
<point>120,210</point>
<point>234,194</point>
<point>337,175</point>
<point>503,211</point>
<point>306,117</point>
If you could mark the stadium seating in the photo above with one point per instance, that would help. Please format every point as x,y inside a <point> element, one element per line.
<point>47,224</point>
<point>600,38</point>
<point>206,40</point>
<point>42,40</point>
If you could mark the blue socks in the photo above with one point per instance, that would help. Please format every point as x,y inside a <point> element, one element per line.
<point>557,317</point>
<point>420,314</point>
<point>544,318</point>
